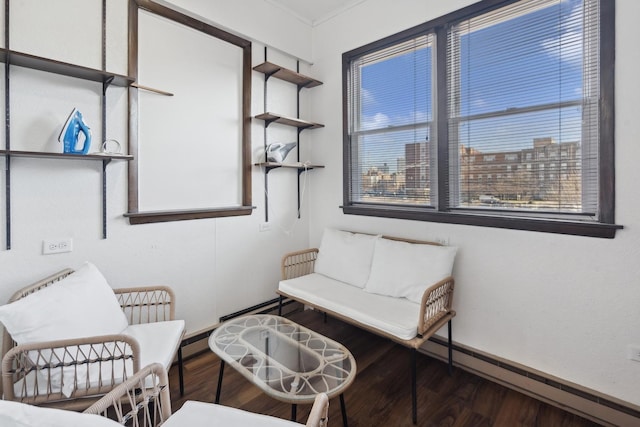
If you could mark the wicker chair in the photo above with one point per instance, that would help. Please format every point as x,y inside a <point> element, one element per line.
<point>134,403</point>
<point>131,403</point>
<point>152,407</point>
<point>96,364</point>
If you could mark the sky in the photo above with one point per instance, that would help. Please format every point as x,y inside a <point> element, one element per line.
<point>398,91</point>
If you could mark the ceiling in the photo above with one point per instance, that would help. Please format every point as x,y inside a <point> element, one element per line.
<point>314,12</point>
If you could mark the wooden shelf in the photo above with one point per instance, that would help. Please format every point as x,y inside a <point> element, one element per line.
<point>63,68</point>
<point>50,155</point>
<point>288,121</point>
<point>270,69</point>
<point>299,166</point>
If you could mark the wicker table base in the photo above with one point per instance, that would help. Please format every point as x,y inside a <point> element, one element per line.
<point>285,360</point>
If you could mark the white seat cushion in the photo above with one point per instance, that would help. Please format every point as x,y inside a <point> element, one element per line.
<point>15,414</point>
<point>395,316</point>
<point>158,341</point>
<point>195,414</point>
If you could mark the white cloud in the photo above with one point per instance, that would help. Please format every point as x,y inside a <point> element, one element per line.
<point>368,99</point>
<point>379,120</point>
<point>568,44</point>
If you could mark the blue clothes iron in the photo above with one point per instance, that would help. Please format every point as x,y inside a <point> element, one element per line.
<point>70,134</point>
<point>278,151</point>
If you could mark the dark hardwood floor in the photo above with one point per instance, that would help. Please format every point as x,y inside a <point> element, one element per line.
<point>380,394</point>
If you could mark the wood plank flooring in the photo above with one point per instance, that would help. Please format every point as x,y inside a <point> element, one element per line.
<point>380,394</point>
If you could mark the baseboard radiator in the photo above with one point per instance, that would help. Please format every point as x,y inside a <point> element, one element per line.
<point>589,404</point>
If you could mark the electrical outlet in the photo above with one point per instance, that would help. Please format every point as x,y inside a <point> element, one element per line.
<point>264,226</point>
<point>633,352</point>
<point>57,246</point>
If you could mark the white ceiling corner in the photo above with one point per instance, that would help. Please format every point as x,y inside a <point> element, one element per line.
<point>314,12</point>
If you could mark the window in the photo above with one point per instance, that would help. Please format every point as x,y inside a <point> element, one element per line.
<point>391,123</point>
<point>493,88</point>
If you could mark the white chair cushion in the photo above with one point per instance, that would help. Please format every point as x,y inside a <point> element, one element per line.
<point>395,316</point>
<point>406,270</point>
<point>196,414</point>
<point>159,341</point>
<point>15,414</point>
<point>345,256</point>
<point>82,304</point>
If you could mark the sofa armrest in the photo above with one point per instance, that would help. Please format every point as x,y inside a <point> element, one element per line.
<point>147,304</point>
<point>299,263</point>
<point>43,372</point>
<point>436,306</point>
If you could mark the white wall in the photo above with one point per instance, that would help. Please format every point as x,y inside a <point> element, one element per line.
<point>215,266</point>
<point>568,306</point>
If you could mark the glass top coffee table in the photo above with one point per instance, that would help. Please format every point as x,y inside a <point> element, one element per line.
<point>285,360</point>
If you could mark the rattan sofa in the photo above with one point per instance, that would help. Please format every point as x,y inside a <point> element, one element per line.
<point>72,373</point>
<point>334,289</point>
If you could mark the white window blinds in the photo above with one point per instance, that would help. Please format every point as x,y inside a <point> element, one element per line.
<point>392,151</point>
<point>523,108</point>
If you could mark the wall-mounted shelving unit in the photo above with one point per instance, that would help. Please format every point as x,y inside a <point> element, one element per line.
<point>269,70</point>
<point>12,58</point>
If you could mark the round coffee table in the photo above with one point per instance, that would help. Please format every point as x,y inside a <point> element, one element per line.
<point>285,360</point>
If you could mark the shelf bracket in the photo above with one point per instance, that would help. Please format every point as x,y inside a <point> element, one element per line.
<point>266,195</point>
<point>268,169</point>
<point>105,162</point>
<point>106,83</point>
<point>267,122</point>
<point>267,75</point>
<point>7,160</point>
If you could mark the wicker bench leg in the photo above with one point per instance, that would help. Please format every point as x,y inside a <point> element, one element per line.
<point>414,392</point>
<point>450,350</point>
<point>180,371</point>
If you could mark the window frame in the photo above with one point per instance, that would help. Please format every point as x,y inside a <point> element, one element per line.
<point>245,207</point>
<point>603,227</point>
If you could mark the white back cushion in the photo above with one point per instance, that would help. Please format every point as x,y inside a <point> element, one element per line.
<point>406,270</point>
<point>80,305</point>
<point>345,256</point>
